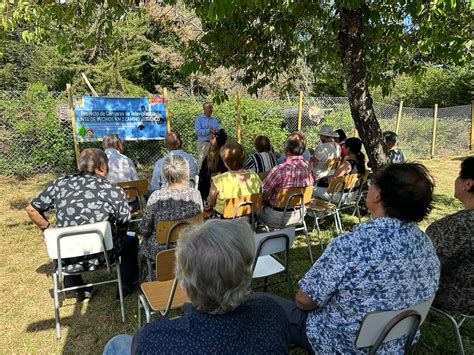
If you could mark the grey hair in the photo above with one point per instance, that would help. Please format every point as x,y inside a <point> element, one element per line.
<point>391,138</point>
<point>175,169</point>
<point>111,141</point>
<point>214,264</point>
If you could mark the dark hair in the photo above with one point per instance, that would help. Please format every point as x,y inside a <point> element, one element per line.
<point>214,149</point>
<point>342,134</point>
<point>355,145</point>
<point>262,144</point>
<point>295,143</point>
<point>233,155</point>
<point>406,191</point>
<point>390,137</point>
<point>467,170</point>
<point>92,159</point>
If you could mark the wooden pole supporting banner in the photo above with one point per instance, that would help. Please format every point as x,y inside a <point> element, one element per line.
<point>399,117</point>
<point>168,121</point>
<point>435,118</point>
<point>73,123</point>
<point>471,142</point>
<point>238,117</point>
<point>300,110</point>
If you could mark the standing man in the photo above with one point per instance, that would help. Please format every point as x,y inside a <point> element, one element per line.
<point>121,168</point>
<point>203,126</point>
<point>83,198</point>
<point>174,145</point>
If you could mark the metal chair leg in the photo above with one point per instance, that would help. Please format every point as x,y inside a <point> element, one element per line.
<point>56,305</point>
<point>139,313</point>
<point>455,325</point>
<point>146,308</point>
<point>119,281</point>
<point>308,241</point>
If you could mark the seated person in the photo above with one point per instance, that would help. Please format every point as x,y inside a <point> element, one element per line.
<point>236,182</point>
<point>395,154</point>
<point>263,160</point>
<point>214,268</point>
<point>174,201</point>
<point>453,238</point>
<point>354,163</point>
<point>325,150</point>
<point>121,168</point>
<point>387,263</point>
<point>84,198</point>
<point>212,163</point>
<point>294,172</point>
<point>174,145</point>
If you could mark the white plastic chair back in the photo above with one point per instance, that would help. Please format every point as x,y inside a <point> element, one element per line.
<point>78,240</point>
<point>373,324</point>
<point>273,246</point>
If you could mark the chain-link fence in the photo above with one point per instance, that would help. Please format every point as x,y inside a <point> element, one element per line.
<point>36,135</point>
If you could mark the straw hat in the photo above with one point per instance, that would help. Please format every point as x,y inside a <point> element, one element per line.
<point>328,131</point>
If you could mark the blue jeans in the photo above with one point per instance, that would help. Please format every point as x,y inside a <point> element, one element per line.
<point>119,345</point>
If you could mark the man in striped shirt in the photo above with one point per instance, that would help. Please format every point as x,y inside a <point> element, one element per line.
<point>294,172</point>
<point>263,160</point>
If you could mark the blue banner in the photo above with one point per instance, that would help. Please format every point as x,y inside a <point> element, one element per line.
<point>130,118</point>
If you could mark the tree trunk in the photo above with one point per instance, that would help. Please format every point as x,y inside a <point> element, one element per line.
<point>351,42</point>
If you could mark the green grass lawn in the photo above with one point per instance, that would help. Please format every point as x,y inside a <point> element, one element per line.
<point>27,320</point>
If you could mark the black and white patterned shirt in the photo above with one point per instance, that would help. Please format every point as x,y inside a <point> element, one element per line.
<point>84,198</point>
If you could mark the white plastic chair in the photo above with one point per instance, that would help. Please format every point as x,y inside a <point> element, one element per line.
<point>456,324</point>
<point>380,327</point>
<point>77,241</point>
<point>266,263</point>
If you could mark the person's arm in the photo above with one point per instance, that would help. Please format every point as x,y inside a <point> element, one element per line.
<point>215,124</point>
<point>212,198</point>
<point>37,218</point>
<point>133,170</point>
<point>155,183</point>
<point>270,185</point>
<point>122,213</point>
<point>147,224</point>
<point>249,164</point>
<point>343,169</point>
<point>304,302</point>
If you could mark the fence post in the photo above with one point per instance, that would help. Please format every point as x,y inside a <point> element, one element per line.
<point>73,123</point>
<point>168,122</point>
<point>435,117</point>
<point>471,143</point>
<point>300,110</point>
<point>399,117</point>
<point>238,117</point>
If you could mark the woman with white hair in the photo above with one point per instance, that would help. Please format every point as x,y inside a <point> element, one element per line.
<point>214,268</point>
<point>177,200</point>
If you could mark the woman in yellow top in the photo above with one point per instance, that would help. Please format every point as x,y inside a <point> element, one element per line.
<point>236,182</point>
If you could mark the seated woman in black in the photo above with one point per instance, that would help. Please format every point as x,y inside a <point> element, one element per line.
<point>214,268</point>
<point>212,164</point>
<point>354,163</point>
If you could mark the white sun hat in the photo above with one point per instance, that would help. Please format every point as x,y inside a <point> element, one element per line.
<point>328,131</point>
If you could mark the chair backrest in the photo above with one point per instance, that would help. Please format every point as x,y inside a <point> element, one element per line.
<point>274,242</point>
<point>74,241</point>
<point>293,196</point>
<point>380,327</point>
<point>134,188</point>
<point>165,261</point>
<point>242,206</point>
<point>263,174</point>
<point>169,231</point>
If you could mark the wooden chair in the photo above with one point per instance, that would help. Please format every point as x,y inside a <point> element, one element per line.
<point>135,189</point>
<point>294,198</point>
<point>162,295</point>
<point>332,164</point>
<point>243,206</point>
<point>262,175</point>
<point>352,195</point>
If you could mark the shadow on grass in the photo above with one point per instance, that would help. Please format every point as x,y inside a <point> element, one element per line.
<point>20,204</point>
<point>45,269</point>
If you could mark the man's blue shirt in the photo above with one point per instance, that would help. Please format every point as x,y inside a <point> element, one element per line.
<point>384,264</point>
<point>156,179</point>
<point>202,124</point>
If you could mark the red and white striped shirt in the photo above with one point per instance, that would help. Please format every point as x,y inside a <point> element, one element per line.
<point>294,172</point>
